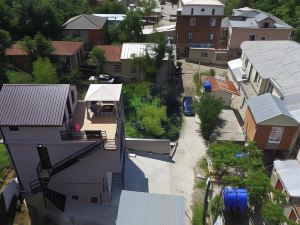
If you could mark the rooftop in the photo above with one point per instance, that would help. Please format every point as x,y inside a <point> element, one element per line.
<point>220,84</point>
<point>85,22</point>
<point>288,172</point>
<point>33,105</point>
<point>104,92</point>
<point>267,106</point>
<point>137,49</point>
<point>140,208</point>
<point>249,18</point>
<point>112,52</point>
<point>202,2</point>
<point>112,17</point>
<point>61,48</point>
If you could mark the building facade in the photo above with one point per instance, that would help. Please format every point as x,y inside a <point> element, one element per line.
<point>61,147</point>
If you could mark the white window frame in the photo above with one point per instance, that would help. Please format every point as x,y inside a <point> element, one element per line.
<point>212,21</point>
<point>190,36</point>
<point>192,21</point>
<point>276,135</point>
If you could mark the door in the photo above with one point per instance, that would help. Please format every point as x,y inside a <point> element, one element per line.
<point>44,157</point>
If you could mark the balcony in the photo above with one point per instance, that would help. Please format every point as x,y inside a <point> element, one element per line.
<point>201,45</point>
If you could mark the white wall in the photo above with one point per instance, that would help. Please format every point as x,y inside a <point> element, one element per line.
<point>219,10</point>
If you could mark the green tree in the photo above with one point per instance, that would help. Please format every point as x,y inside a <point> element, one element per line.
<point>15,77</point>
<point>273,213</point>
<point>98,58</point>
<point>230,5</point>
<point>36,47</point>
<point>208,109</point>
<point>75,77</point>
<point>111,7</point>
<point>5,41</point>
<point>44,72</point>
<point>147,7</point>
<point>131,27</point>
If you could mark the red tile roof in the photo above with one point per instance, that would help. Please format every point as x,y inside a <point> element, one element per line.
<point>61,48</point>
<point>219,84</point>
<point>112,52</point>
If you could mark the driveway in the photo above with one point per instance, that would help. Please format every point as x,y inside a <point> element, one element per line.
<point>159,174</point>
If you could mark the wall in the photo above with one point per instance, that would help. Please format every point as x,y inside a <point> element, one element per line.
<point>195,56</point>
<point>225,96</point>
<point>159,146</point>
<point>219,10</point>
<point>238,35</point>
<point>108,68</point>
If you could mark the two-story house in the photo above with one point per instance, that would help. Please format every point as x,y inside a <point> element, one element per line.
<point>247,24</point>
<point>267,76</point>
<point>63,148</point>
<point>198,25</point>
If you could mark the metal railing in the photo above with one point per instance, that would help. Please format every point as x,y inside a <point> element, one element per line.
<point>82,135</point>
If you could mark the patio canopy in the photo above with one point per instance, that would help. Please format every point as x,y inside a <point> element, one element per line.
<point>103,92</point>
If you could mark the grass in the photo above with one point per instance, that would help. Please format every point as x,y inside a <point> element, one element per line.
<point>198,214</point>
<point>5,162</point>
<point>204,166</point>
<point>201,184</point>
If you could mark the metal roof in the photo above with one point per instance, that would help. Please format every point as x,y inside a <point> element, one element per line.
<point>104,92</point>
<point>202,2</point>
<point>288,172</point>
<point>140,208</point>
<point>267,106</point>
<point>85,22</point>
<point>33,105</point>
<point>137,49</point>
<point>112,17</point>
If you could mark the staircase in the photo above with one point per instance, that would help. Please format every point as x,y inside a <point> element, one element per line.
<point>110,144</point>
<point>41,184</point>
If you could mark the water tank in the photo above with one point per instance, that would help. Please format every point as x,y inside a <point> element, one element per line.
<point>235,199</point>
<point>207,85</point>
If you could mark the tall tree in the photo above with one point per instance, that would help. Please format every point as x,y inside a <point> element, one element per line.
<point>5,42</point>
<point>98,58</point>
<point>44,72</point>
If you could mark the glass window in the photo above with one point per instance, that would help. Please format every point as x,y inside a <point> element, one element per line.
<point>263,38</point>
<point>251,37</point>
<point>276,135</point>
<point>202,10</point>
<point>190,35</point>
<point>192,11</point>
<point>204,54</point>
<point>213,12</point>
<point>192,22</point>
<point>212,22</point>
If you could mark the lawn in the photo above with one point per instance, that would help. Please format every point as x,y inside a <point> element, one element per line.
<point>4,160</point>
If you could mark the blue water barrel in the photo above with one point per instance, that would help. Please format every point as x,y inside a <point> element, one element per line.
<point>207,85</point>
<point>235,199</point>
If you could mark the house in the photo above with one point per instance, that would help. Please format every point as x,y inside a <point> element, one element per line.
<point>112,65</point>
<point>90,28</point>
<point>63,148</point>
<point>293,213</point>
<point>198,26</point>
<point>220,88</point>
<point>139,208</point>
<point>269,123</point>
<point>247,24</point>
<point>130,71</point>
<point>168,30</point>
<point>67,55</point>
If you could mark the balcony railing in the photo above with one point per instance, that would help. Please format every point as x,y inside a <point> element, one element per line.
<point>83,135</point>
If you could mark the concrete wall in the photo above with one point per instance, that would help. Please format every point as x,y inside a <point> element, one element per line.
<point>195,55</point>
<point>159,146</point>
<point>197,10</point>
<point>225,96</point>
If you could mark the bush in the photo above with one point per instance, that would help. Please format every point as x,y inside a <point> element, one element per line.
<point>272,213</point>
<point>215,207</point>
<point>15,77</point>
<point>5,162</point>
<point>198,214</point>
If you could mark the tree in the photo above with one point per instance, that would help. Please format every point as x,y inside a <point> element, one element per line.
<point>147,7</point>
<point>5,42</point>
<point>44,72</point>
<point>131,27</point>
<point>98,58</point>
<point>208,109</point>
<point>75,77</point>
<point>15,77</point>
<point>273,213</point>
<point>111,7</point>
<point>36,47</point>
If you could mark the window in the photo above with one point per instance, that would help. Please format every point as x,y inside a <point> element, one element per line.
<point>266,25</point>
<point>75,197</point>
<point>72,96</point>
<point>263,38</point>
<point>223,35</point>
<point>190,36</point>
<point>204,54</point>
<point>202,10</point>
<point>221,57</point>
<point>192,11</point>
<point>117,68</point>
<point>211,36</point>
<point>256,76</point>
<point>275,135</point>
<point>213,12</point>
<point>212,22</point>
<point>13,128</point>
<point>192,22</point>
<point>94,200</point>
<point>270,88</point>
<point>251,37</point>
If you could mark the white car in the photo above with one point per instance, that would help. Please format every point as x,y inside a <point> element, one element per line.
<point>104,78</point>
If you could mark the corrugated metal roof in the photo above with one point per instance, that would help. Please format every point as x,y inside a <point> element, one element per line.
<point>267,106</point>
<point>288,172</point>
<point>33,105</point>
<point>137,49</point>
<point>85,22</point>
<point>220,84</point>
<point>140,208</point>
<point>202,2</point>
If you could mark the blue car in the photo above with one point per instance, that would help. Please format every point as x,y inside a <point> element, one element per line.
<point>188,106</point>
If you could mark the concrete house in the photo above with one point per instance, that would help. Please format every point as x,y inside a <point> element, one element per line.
<point>269,123</point>
<point>268,67</point>
<point>133,72</point>
<point>90,28</point>
<point>198,27</point>
<point>67,55</point>
<point>64,149</point>
<point>247,24</point>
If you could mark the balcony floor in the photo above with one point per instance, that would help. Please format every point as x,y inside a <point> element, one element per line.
<point>106,123</point>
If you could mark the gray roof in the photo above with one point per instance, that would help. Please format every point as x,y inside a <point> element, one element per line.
<point>139,208</point>
<point>288,172</point>
<point>85,22</point>
<point>33,105</point>
<point>248,18</point>
<point>267,106</point>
